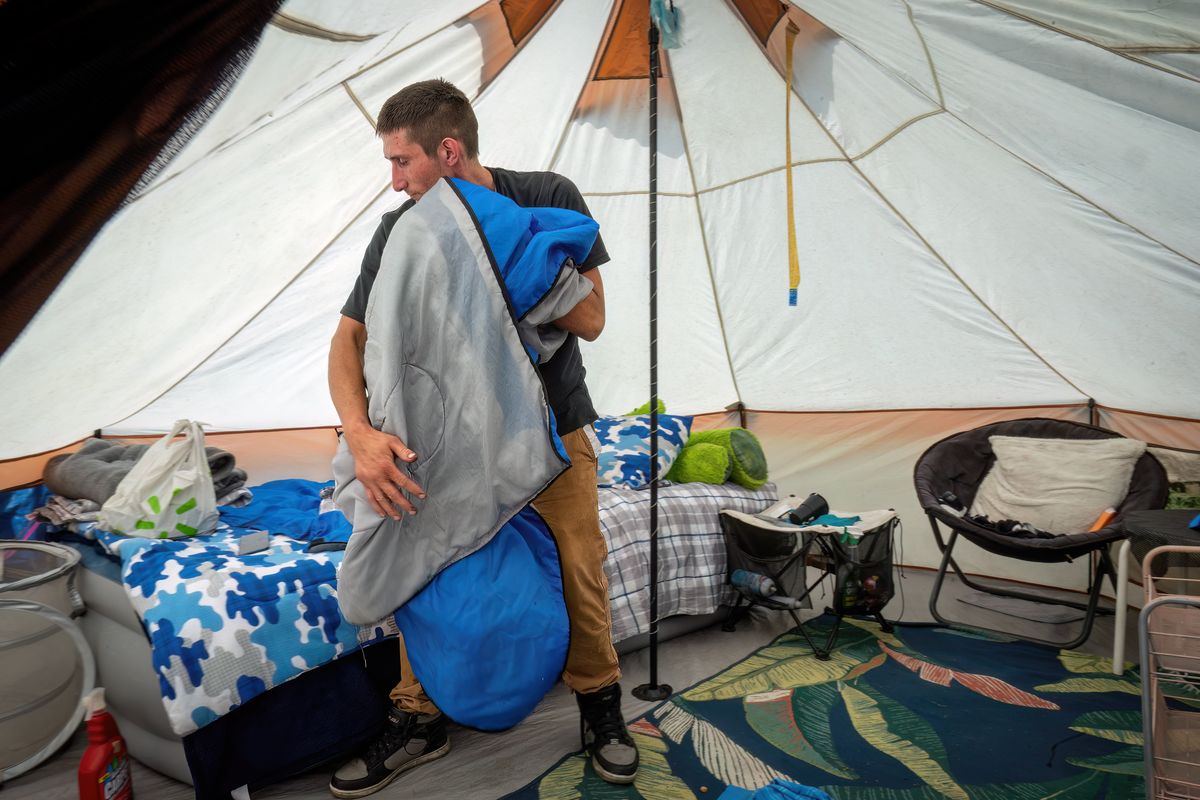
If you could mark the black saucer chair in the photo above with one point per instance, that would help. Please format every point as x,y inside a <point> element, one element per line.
<point>958,464</point>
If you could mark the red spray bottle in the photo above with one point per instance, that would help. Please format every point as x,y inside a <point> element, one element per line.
<point>104,772</point>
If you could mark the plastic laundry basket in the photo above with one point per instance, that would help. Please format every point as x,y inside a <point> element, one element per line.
<point>48,666</point>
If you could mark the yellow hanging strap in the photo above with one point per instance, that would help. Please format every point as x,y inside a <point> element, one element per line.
<point>793,254</point>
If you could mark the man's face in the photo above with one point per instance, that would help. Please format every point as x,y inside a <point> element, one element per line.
<point>413,170</point>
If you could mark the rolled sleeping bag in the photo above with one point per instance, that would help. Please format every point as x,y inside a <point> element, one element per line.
<point>745,451</point>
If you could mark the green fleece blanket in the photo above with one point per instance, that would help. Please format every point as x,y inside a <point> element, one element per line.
<point>701,463</point>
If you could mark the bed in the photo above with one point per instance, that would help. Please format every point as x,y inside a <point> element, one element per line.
<point>243,721</point>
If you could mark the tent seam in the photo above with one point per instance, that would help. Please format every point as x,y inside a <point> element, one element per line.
<point>1081,38</point>
<point>937,84</point>
<point>765,172</point>
<point>1047,175</point>
<point>562,137</point>
<point>897,130</point>
<point>1076,193</point>
<point>937,101</point>
<point>1165,49</point>
<point>637,192</point>
<point>256,314</point>
<point>962,282</point>
<point>483,87</point>
<point>1055,180</point>
<point>945,264</point>
<point>246,131</point>
<point>358,103</point>
<point>364,70</point>
<point>712,281</point>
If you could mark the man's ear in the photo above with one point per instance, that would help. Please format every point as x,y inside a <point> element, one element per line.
<point>450,151</point>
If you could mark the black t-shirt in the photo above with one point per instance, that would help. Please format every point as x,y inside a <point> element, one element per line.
<point>563,374</point>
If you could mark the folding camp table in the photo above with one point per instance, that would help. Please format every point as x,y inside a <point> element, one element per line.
<point>857,557</point>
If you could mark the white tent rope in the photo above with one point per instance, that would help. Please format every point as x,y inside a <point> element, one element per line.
<point>302,27</point>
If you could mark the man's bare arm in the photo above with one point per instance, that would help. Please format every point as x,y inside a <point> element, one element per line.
<point>586,319</point>
<point>375,452</point>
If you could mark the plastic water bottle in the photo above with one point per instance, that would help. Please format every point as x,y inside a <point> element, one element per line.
<point>850,590</point>
<point>753,583</point>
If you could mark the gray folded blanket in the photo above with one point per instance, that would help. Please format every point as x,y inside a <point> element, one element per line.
<point>95,470</point>
<point>236,479</point>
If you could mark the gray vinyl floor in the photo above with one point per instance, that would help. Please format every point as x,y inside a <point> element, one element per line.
<point>490,765</point>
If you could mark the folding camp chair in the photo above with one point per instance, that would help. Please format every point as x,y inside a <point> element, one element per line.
<point>958,464</point>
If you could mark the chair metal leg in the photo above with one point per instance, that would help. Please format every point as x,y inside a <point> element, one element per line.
<point>822,654</point>
<point>1118,657</point>
<point>1104,567</point>
<point>946,549</point>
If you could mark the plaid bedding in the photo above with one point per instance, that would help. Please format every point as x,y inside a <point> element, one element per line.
<point>691,549</point>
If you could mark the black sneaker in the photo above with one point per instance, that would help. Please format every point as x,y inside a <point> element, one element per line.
<point>614,755</point>
<point>407,741</point>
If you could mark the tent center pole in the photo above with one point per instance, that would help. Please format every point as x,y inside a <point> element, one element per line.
<point>653,690</point>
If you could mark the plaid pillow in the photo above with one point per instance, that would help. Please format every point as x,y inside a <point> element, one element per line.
<point>624,455</point>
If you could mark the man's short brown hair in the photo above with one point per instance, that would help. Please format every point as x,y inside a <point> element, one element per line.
<point>428,112</point>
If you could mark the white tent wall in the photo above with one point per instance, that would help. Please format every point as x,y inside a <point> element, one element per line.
<point>995,219</point>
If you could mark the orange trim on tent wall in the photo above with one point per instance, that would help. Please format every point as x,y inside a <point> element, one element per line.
<point>761,15</point>
<point>626,51</point>
<point>523,16</point>
<point>1181,434</point>
<point>265,455</point>
<point>307,452</point>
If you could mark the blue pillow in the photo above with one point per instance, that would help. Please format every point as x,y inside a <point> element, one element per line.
<point>624,456</point>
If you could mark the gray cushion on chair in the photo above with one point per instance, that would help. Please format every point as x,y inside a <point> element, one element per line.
<point>1057,485</point>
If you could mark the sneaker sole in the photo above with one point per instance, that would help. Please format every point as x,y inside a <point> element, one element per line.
<point>350,794</point>
<point>612,777</point>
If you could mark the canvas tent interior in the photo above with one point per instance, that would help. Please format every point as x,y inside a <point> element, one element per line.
<point>994,214</point>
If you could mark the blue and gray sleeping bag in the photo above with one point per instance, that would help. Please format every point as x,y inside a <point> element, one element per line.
<point>457,318</point>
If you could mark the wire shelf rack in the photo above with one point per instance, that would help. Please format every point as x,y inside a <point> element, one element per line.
<point>1169,636</point>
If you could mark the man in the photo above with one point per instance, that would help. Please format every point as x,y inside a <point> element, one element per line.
<point>429,132</point>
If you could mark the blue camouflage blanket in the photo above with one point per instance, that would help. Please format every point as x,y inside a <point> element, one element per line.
<point>223,627</point>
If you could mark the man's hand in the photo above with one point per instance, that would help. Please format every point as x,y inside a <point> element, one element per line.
<point>375,454</point>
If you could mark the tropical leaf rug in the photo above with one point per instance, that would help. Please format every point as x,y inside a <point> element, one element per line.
<point>918,714</point>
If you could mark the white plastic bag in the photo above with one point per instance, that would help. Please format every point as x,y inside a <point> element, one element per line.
<point>169,492</point>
